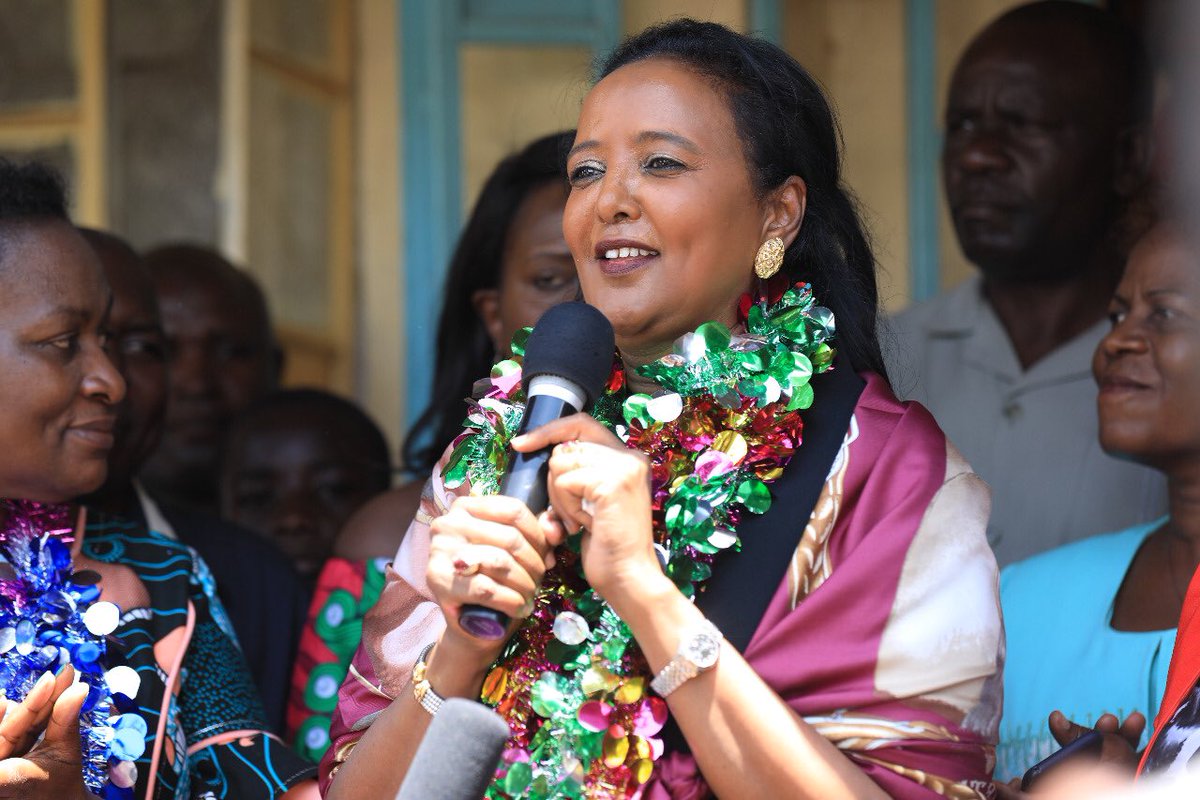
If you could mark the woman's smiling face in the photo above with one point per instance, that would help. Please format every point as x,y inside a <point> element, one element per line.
<point>1148,366</point>
<point>60,390</point>
<point>663,220</point>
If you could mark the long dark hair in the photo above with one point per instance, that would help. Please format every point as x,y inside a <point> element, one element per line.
<point>787,128</point>
<point>464,349</point>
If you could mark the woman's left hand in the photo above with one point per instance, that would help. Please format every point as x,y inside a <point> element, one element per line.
<point>597,483</point>
<point>52,768</point>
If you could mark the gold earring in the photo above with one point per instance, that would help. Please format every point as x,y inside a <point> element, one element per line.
<point>769,258</point>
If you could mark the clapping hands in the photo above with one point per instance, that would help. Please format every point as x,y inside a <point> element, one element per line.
<point>49,768</point>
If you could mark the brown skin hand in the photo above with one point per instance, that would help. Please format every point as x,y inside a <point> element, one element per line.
<point>49,769</point>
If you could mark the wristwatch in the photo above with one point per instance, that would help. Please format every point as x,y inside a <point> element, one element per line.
<point>698,652</point>
<point>430,700</point>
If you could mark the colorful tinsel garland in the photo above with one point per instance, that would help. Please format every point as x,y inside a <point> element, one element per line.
<point>572,682</point>
<point>51,615</point>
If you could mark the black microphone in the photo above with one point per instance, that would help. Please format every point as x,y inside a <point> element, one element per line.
<point>567,361</point>
<point>459,754</point>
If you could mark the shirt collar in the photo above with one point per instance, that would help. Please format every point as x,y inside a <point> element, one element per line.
<point>155,519</point>
<point>967,314</point>
<point>962,310</point>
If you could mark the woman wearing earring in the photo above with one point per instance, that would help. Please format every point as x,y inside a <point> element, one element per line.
<point>698,638</point>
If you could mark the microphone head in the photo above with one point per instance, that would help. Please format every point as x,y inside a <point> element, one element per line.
<point>573,341</point>
<point>459,754</point>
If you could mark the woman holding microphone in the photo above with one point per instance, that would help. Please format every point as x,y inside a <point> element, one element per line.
<point>709,224</point>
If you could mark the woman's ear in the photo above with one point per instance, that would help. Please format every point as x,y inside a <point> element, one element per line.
<point>486,303</point>
<point>785,210</point>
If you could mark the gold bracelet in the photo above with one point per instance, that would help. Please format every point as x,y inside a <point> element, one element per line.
<point>430,700</point>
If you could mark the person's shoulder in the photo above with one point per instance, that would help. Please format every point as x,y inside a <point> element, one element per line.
<point>129,542</point>
<point>910,338</point>
<point>910,320</point>
<point>221,542</point>
<point>103,526</point>
<point>894,449</point>
<point>953,305</point>
<point>376,529</point>
<point>1095,557</point>
<point>904,425</point>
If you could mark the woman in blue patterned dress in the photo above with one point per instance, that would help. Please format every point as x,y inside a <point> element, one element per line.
<point>205,730</point>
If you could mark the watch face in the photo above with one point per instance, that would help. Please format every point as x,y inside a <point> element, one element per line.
<point>703,649</point>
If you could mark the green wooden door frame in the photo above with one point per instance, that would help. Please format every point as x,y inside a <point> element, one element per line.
<point>430,35</point>
<point>924,146</point>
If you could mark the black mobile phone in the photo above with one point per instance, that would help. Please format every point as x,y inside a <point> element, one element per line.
<point>1087,744</point>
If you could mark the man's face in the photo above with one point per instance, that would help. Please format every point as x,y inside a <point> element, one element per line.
<point>137,347</point>
<point>295,475</point>
<point>221,359</point>
<point>1030,153</point>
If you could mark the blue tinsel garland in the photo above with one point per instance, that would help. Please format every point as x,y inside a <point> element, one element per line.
<point>50,616</point>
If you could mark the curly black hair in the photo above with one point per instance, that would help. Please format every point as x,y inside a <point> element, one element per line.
<point>31,190</point>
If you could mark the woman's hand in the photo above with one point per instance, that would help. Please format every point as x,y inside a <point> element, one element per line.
<point>488,551</point>
<point>51,768</point>
<point>1083,777</point>
<point>1121,739</point>
<point>597,483</point>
